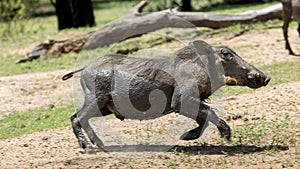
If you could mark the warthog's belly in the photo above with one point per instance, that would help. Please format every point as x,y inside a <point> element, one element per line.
<point>136,97</point>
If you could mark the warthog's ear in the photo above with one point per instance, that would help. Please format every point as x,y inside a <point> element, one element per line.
<point>194,50</point>
<point>201,48</point>
<point>185,53</point>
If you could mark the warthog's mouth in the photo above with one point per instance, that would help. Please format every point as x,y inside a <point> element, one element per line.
<point>258,81</point>
<point>254,83</point>
<point>231,81</point>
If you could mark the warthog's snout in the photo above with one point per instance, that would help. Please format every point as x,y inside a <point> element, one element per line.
<point>266,80</point>
<point>257,80</point>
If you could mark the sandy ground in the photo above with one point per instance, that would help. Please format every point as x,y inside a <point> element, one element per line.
<point>58,148</point>
<point>22,92</point>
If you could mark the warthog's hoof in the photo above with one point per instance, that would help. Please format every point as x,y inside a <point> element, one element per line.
<point>84,144</point>
<point>192,134</point>
<point>224,129</point>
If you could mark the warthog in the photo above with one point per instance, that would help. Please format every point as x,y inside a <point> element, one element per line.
<point>184,80</point>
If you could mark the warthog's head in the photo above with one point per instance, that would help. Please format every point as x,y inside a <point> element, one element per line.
<point>239,72</point>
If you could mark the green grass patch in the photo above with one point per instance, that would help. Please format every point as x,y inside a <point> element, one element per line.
<point>283,72</point>
<point>34,120</point>
<point>107,12</point>
<point>211,6</point>
<point>223,9</point>
<point>263,132</point>
<point>259,26</point>
<point>8,66</point>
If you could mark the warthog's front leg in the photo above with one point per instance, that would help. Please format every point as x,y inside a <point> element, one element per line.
<point>203,123</point>
<point>204,112</point>
<point>211,116</point>
<point>224,129</point>
<point>196,132</point>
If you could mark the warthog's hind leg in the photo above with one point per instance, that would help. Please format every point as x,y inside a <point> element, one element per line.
<point>81,120</point>
<point>83,143</point>
<point>89,111</point>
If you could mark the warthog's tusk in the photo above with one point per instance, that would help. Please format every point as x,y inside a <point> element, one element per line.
<point>231,81</point>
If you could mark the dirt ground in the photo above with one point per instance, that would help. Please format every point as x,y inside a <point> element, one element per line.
<point>22,92</point>
<point>58,148</point>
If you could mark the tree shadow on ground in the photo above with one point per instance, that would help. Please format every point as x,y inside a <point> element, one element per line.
<point>197,150</point>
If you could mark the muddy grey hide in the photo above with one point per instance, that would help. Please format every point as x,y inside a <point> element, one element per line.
<point>144,88</point>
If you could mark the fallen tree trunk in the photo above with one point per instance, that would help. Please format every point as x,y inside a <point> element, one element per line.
<point>201,19</point>
<point>138,23</point>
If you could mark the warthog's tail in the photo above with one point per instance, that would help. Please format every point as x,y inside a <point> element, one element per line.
<point>69,75</point>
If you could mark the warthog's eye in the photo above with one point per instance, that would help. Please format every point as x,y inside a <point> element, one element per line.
<point>226,54</point>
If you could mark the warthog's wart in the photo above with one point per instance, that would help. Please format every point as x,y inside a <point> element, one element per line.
<point>128,87</point>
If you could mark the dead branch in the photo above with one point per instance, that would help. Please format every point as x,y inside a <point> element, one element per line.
<point>139,7</point>
<point>239,33</point>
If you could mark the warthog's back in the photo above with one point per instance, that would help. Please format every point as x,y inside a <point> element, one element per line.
<point>131,81</point>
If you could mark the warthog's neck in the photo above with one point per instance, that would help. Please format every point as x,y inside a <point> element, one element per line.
<point>210,88</point>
